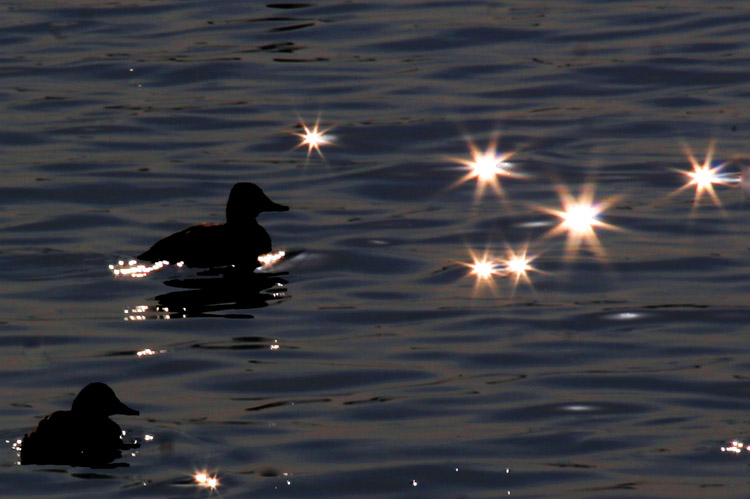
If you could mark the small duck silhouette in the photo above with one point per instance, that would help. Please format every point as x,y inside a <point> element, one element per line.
<point>238,242</point>
<point>82,436</point>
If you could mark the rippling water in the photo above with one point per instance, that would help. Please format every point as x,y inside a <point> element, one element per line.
<point>373,363</point>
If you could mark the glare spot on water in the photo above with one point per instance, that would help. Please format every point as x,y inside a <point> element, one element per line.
<point>579,218</point>
<point>703,176</point>
<point>314,138</point>
<point>486,167</point>
<point>204,479</point>
<point>535,224</point>
<point>141,313</point>
<point>147,352</point>
<point>134,269</point>
<point>579,408</point>
<point>736,447</point>
<point>625,316</point>
<point>269,259</point>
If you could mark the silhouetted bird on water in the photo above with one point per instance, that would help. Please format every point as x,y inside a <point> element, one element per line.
<point>238,242</point>
<point>82,436</point>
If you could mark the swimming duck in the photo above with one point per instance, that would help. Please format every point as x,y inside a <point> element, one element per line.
<point>238,242</point>
<point>82,436</point>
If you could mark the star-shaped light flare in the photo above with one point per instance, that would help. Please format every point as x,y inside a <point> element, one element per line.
<point>579,219</point>
<point>703,176</point>
<point>518,265</point>
<point>314,137</point>
<point>485,268</point>
<point>486,167</point>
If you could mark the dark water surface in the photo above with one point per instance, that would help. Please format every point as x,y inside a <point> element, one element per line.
<point>377,367</point>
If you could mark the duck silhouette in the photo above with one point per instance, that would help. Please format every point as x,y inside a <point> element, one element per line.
<point>237,242</point>
<point>82,436</point>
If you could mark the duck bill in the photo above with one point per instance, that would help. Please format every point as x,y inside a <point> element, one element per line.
<point>123,409</point>
<point>271,206</point>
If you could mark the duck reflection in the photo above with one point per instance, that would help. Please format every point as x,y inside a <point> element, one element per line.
<point>238,242</point>
<point>82,436</point>
<point>232,289</point>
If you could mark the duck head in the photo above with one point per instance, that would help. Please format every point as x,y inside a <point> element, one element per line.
<point>98,399</point>
<point>247,201</point>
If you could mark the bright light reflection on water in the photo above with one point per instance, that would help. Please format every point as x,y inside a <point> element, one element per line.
<point>579,408</point>
<point>314,137</point>
<point>486,167</point>
<point>703,176</point>
<point>204,479</point>
<point>736,447</point>
<point>147,352</point>
<point>626,316</point>
<point>141,313</point>
<point>267,260</point>
<point>579,218</point>
<point>137,270</point>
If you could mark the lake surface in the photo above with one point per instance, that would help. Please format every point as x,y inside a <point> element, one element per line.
<point>379,365</point>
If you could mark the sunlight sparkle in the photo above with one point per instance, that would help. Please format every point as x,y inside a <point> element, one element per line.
<point>736,447</point>
<point>703,176</point>
<point>486,167</point>
<point>484,268</point>
<point>314,137</point>
<point>579,218</point>
<point>134,269</point>
<point>203,479</point>
<point>518,265</point>
<point>268,259</point>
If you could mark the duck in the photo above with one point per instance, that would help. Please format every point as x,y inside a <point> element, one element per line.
<point>238,242</point>
<point>82,436</point>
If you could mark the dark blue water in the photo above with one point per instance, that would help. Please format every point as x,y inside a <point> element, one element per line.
<point>379,366</point>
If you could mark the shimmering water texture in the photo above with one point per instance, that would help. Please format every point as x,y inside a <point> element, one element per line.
<point>514,262</point>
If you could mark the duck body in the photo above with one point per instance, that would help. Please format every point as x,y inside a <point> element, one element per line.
<point>212,245</point>
<point>82,436</point>
<point>237,242</point>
